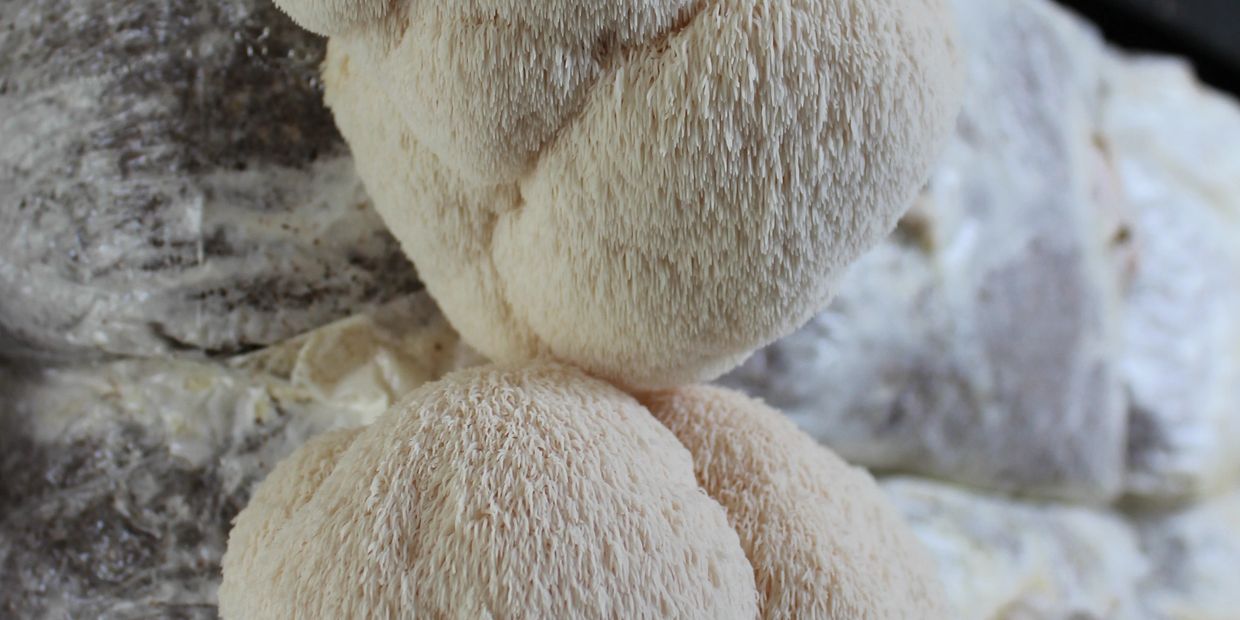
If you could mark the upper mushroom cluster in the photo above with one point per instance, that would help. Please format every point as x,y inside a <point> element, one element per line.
<point>649,190</point>
<point>611,200</point>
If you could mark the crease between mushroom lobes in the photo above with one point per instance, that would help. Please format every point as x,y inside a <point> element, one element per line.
<point>651,214</point>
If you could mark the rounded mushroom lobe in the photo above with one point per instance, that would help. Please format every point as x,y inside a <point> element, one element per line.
<point>649,191</point>
<point>822,539</point>
<point>289,486</point>
<point>516,492</point>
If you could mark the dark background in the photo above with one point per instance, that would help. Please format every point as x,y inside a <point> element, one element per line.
<point>1205,31</point>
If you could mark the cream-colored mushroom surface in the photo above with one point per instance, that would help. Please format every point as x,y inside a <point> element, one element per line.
<point>500,492</point>
<point>823,540</point>
<point>647,189</point>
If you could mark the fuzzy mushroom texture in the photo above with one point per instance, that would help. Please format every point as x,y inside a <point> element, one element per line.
<point>822,539</point>
<point>500,492</point>
<point>647,189</point>
<point>333,17</point>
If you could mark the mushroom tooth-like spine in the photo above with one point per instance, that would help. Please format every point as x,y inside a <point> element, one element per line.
<point>823,540</point>
<point>517,492</point>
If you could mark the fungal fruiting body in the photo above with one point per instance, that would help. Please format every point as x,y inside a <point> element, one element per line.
<point>523,492</point>
<point>647,189</point>
<point>535,491</point>
<point>644,191</point>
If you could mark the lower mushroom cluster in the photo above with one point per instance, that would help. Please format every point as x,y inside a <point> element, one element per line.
<point>536,491</point>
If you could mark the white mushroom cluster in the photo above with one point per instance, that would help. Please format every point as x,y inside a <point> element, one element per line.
<point>608,198</point>
<point>647,189</point>
<point>524,492</point>
<point>535,491</point>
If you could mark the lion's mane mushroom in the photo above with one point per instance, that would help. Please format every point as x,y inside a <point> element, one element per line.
<point>648,189</point>
<point>823,541</point>
<point>535,491</point>
<point>528,492</point>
